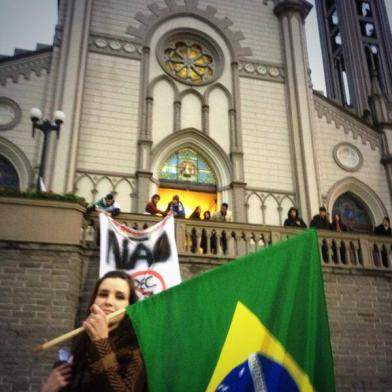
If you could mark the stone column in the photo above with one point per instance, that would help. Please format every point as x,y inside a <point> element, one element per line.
<point>238,184</point>
<point>299,104</point>
<point>143,173</point>
<point>69,93</point>
<point>238,197</point>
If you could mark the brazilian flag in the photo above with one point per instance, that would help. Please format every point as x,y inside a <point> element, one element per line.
<point>258,323</point>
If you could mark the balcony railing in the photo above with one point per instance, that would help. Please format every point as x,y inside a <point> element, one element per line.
<point>218,242</point>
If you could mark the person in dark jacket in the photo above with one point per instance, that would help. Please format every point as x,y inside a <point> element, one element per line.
<point>337,224</point>
<point>384,228</point>
<point>320,221</point>
<point>293,219</point>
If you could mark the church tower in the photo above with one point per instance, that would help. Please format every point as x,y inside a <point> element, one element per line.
<point>356,43</point>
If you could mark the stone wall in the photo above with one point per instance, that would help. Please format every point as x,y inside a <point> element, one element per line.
<point>109,115</point>
<point>39,295</point>
<point>45,288</point>
<point>360,316</point>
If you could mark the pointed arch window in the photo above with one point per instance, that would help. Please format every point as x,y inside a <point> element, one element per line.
<point>354,212</point>
<point>187,166</point>
<point>8,175</point>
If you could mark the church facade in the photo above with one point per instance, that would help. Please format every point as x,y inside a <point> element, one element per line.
<point>209,99</point>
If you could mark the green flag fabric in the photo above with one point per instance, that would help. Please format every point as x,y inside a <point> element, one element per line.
<point>258,323</point>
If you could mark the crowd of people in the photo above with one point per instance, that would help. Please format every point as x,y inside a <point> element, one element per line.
<point>320,221</point>
<point>176,207</point>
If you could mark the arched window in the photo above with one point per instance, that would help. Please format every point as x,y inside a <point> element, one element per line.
<point>188,167</point>
<point>188,175</point>
<point>8,175</point>
<point>354,212</point>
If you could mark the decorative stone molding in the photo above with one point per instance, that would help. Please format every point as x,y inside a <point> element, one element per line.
<point>264,195</point>
<point>114,46</point>
<point>348,157</point>
<point>113,178</point>
<point>14,67</point>
<point>261,70</point>
<point>349,122</point>
<point>10,113</point>
<point>148,23</point>
<point>284,7</point>
<point>95,180</point>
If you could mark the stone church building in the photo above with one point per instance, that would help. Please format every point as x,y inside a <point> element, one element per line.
<point>211,100</point>
<point>208,99</point>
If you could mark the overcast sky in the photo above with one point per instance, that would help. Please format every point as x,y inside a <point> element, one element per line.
<point>23,23</point>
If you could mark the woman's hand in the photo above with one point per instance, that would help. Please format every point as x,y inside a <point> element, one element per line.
<point>58,378</point>
<point>96,324</point>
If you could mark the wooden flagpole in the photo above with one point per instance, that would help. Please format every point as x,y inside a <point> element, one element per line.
<point>62,338</point>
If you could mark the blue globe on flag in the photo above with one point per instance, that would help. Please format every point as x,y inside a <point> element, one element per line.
<point>258,374</point>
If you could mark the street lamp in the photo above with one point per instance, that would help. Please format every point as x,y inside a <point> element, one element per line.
<point>46,127</point>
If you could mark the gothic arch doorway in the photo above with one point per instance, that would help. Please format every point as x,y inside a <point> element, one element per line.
<point>189,175</point>
<point>354,212</point>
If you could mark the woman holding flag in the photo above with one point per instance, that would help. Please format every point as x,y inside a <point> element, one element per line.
<point>107,356</point>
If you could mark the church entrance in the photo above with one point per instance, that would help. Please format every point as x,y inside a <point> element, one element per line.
<point>190,199</point>
<point>188,174</point>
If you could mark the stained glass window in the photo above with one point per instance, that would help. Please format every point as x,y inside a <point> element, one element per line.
<point>189,61</point>
<point>187,166</point>
<point>190,57</point>
<point>353,211</point>
<point>8,175</point>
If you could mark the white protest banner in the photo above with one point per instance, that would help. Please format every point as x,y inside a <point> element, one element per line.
<point>149,256</point>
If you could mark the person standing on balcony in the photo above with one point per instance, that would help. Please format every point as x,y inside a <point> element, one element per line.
<point>320,221</point>
<point>384,228</point>
<point>337,224</point>
<point>176,207</point>
<point>223,215</point>
<point>151,207</point>
<point>107,204</point>
<point>293,219</point>
<point>196,213</point>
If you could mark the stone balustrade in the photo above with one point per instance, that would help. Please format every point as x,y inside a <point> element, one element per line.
<point>218,242</point>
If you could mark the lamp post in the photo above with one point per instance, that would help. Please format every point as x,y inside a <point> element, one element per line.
<point>46,127</point>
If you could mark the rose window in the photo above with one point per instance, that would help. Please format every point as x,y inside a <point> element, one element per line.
<point>190,58</point>
<point>190,62</point>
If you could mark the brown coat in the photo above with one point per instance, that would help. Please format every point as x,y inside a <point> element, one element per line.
<point>110,365</point>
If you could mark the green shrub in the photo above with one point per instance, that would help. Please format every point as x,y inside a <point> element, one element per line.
<point>68,197</point>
